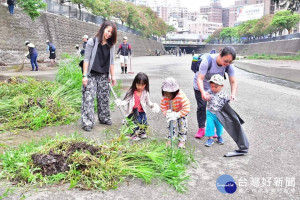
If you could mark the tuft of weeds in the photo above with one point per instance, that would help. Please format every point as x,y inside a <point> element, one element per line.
<point>26,103</point>
<point>93,166</point>
<point>273,57</point>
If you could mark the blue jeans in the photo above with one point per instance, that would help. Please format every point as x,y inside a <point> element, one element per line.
<point>11,9</point>
<point>212,122</point>
<point>33,62</point>
<point>141,122</point>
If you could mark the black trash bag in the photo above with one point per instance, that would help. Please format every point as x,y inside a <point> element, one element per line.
<point>232,123</point>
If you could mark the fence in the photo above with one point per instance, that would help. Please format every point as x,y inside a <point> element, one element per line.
<point>72,11</point>
<point>282,37</point>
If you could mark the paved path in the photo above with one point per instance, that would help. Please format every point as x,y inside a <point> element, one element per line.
<point>272,124</point>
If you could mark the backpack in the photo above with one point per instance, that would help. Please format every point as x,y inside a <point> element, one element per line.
<point>52,47</point>
<point>197,61</point>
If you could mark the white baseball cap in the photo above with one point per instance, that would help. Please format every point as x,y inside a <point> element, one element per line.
<point>217,79</point>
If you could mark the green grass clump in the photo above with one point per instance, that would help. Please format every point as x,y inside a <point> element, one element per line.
<point>274,57</point>
<point>104,168</point>
<point>26,103</point>
<point>30,104</point>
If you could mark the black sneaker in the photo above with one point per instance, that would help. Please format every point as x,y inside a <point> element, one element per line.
<point>108,122</point>
<point>87,128</point>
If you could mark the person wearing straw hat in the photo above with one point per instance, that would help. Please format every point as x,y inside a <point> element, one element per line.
<point>32,54</point>
<point>125,51</point>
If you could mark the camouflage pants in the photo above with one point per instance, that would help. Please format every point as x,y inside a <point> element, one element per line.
<point>98,86</point>
<point>180,125</point>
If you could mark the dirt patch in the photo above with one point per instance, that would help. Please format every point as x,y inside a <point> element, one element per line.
<point>52,163</point>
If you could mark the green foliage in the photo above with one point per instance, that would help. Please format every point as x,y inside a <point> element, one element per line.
<point>32,7</point>
<point>285,20</point>
<point>104,169</point>
<point>273,57</point>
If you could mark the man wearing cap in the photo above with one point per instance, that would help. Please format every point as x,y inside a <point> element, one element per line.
<point>85,38</point>
<point>125,50</point>
<point>51,48</point>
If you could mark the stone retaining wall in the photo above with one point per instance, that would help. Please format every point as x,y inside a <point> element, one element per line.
<point>65,33</point>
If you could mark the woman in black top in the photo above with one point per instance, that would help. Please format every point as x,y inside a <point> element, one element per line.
<point>98,65</point>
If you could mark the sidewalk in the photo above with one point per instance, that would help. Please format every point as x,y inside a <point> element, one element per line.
<point>283,69</point>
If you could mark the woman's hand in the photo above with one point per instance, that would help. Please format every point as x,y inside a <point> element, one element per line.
<point>84,81</point>
<point>113,82</point>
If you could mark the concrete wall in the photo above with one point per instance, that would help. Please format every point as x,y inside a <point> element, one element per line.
<point>282,47</point>
<point>65,33</point>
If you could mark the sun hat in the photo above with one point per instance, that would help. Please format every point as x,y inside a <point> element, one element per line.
<point>170,85</point>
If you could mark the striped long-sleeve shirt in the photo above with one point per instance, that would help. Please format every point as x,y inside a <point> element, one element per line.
<point>180,104</point>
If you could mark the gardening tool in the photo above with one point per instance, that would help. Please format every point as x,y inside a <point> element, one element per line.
<point>171,127</point>
<point>120,107</point>
<point>131,72</point>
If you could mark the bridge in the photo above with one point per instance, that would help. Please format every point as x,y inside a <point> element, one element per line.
<point>189,46</point>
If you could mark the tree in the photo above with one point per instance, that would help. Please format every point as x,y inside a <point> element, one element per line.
<point>120,10</point>
<point>214,36</point>
<point>32,7</point>
<point>246,29</point>
<point>292,5</point>
<point>228,33</point>
<point>100,8</point>
<point>285,20</point>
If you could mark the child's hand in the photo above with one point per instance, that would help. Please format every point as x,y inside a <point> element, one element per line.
<point>155,108</point>
<point>233,98</point>
<point>119,102</point>
<point>172,116</point>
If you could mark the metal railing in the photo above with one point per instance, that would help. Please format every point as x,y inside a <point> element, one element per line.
<point>72,11</point>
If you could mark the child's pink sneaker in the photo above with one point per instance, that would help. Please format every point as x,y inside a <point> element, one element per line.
<point>200,134</point>
<point>215,136</point>
<point>181,145</point>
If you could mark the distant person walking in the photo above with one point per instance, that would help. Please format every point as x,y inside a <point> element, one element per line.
<point>32,55</point>
<point>11,6</point>
<point>98,65</point>
<point>51,48</point>
<point>125,51</point>
<point>193,53</point>
<point>85,39</point>
<point>77,53</point>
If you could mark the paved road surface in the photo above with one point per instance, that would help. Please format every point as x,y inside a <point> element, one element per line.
<point>272,123</point>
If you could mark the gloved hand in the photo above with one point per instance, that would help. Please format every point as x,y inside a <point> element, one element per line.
<point>119,102</point>
<point>155,108</point>
<point>172,116</point>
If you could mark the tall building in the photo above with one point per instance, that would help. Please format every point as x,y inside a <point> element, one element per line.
<point>214,11</point>
<point>225,17</point>
<point>203,27</point>
<point>231,15</point>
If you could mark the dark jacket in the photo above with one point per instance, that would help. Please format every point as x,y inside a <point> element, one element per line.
<point>11,2</point>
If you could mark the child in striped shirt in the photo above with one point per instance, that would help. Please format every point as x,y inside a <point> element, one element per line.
<point>175,106</point>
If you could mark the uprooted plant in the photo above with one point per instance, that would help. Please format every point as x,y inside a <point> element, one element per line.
<point>83,163</point>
